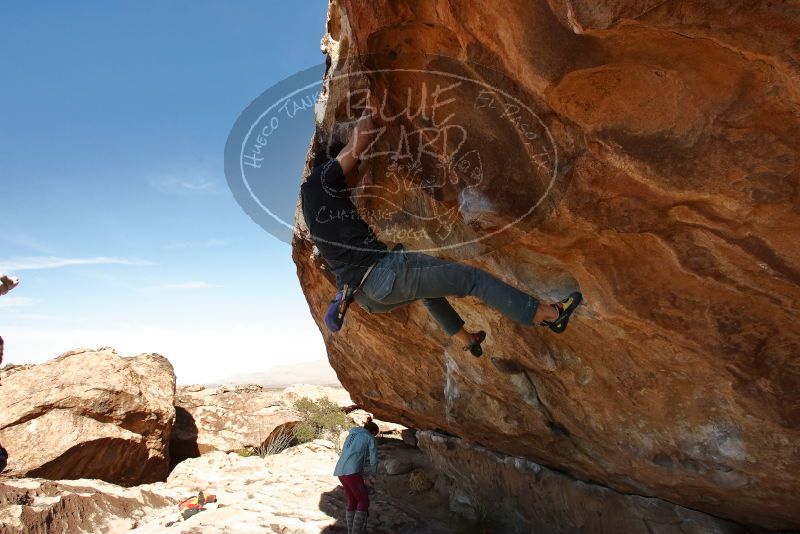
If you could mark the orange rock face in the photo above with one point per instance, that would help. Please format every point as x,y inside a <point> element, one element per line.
<point>652,162</point>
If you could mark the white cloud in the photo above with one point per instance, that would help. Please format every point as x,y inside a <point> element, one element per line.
<point>208,243</point>
<point>183,185</point>
<point>199,355</point>
<point>14,302</point>
<point>193,284</point>
<point>28,263</point>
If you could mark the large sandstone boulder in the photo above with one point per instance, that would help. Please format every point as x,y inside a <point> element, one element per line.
<point>651,161</point>
<point>89,414</point>
<point>230,418</point>
<point>225,418</point>
<point>360,417</point>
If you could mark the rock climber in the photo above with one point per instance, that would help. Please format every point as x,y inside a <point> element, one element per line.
<point>3,452</point>
<point>3,458</point>
<point>380,279</point>
<point>7,283</point>
<point>359,447</point>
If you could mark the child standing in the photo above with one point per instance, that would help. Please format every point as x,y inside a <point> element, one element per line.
<point>358,448</point>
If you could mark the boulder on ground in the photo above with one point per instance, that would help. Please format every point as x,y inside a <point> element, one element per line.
<point>226,418</point>
<point>359,417</point>
<point>394,466</point>
<point>89,414</point>
<point>233,417</point>
<point>409,437</point>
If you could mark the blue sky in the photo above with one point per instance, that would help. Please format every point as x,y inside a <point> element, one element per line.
<point>114,209</point>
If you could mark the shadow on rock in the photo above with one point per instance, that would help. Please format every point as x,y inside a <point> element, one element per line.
<point>333,504</point>
<point>183,442</point>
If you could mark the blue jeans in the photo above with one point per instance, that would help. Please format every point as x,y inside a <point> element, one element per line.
<point>402,277</point>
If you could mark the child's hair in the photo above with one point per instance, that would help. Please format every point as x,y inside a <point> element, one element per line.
<point>371,427</point>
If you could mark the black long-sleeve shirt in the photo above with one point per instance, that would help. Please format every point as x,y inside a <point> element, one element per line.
<point>344,239</point>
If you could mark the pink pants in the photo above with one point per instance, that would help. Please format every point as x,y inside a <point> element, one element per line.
<point>357,498</point>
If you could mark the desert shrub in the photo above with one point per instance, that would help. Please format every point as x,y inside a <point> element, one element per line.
<point>276,443</point>
<point>419,482</point>
<point>305,432</point>
<point>319,419</point>
<point>246,452</point>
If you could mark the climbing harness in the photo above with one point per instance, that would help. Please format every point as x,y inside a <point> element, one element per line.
<point>334,318</point>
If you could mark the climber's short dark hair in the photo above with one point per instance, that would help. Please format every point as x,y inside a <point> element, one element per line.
<point>326,151</point>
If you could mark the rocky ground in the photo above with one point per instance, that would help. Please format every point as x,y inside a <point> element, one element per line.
<point>105,428</point>
<point>84,477</point>
<point>292,492</point>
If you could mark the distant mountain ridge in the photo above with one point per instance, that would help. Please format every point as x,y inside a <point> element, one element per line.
<point>318,373</point>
